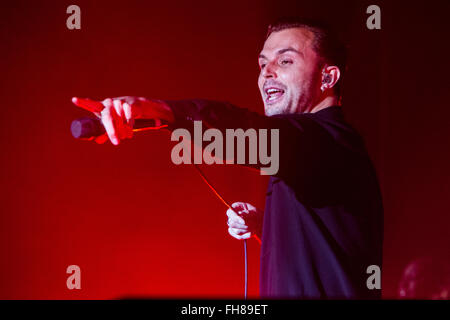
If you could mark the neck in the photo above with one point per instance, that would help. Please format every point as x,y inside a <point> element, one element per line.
<point>327,101</point>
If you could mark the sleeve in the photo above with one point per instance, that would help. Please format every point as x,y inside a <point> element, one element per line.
<point>305,149</point>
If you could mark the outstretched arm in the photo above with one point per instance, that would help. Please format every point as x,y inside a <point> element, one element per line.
<point>306,151</point>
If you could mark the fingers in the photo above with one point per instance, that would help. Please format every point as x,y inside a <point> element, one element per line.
<point>238,235</point>
<point>127,110</point>
<point>128,115</point>
<point>116,117</point>
<point>243,208</point>
<point>123,129</point>
<point>117,104</point>
<point>239,206</point>
<point>236,224</point>
<point>233,215</point>
<point>108,122</point>
<point>244,220</point>
<point>250,208</point>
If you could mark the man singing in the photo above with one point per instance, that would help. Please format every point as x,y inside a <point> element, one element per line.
<point>322,226</point>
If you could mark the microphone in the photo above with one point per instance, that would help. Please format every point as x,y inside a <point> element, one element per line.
<point>89,128</point>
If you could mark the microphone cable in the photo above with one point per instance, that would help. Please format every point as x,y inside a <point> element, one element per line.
<point>80,126</point>
<point>231,208</point>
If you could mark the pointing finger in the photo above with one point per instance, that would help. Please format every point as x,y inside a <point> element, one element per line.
<point>88,104</point>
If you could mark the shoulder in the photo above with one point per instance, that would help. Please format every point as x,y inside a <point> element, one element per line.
<point>332,121</point>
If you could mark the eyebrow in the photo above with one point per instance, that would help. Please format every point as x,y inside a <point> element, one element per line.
<point>281,51</point>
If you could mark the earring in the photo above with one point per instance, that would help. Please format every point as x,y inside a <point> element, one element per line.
<point>326,79</point>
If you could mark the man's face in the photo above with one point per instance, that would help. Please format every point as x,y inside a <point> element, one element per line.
<point>290,76</point>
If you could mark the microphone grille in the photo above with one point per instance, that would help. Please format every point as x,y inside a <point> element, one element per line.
<point>85,128</point>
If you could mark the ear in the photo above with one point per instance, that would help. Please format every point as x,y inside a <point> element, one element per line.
<point>330,76</point>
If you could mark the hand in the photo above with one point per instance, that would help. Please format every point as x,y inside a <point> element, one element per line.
<point>244,221</point>
<point>118,114</point>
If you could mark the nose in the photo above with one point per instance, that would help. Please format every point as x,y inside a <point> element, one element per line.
<point>269,71</point>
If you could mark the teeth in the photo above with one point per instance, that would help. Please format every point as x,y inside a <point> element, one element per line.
<point>272,93</point>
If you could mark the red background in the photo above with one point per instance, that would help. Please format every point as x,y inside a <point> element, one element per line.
<point>140,226</point>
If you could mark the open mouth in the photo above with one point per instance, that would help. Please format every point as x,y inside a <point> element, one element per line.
<point>273,94</point>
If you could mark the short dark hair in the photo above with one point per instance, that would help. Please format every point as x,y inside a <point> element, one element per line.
<point>326,43</point>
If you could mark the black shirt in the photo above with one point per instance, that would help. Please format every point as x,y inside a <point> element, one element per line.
<point>323,219</point>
